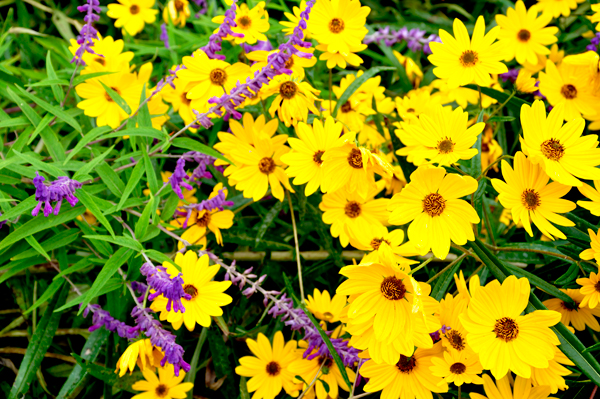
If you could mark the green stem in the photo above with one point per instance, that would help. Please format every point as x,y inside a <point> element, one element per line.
<point>438,274</point>
<point>297,248</point>
<point>483,174</point>
<point>503,104</point>
<point>422,265</point>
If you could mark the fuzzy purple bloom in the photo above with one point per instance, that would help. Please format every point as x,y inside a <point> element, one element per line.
<point>171,288</point>
<point>88,32</point>
<point>102,318</point>
<point>436,336</point>
<point>2,223</point>
<point>177,178</point>
<point>416,39</point>
<point>216,202</point>
<point>164,35</point>
<point>214,41</point>
<point>511,75</point>
<point>203,7</point>
<point>594,42</point>
<point>61,188</point>
<point>261,45</point>
<point>179,175</point>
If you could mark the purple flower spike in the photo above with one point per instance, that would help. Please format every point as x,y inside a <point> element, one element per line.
<point>176,179</point>
<point>61,188</point>
<point>214,41</point>
<point>88,32</point>
<point>102,318</point>
<point>415,38</point>
<point>164,36</point>
<point>171,288</point>
<point>203,7</point>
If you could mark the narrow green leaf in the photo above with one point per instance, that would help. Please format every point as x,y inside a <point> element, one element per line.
<point>193,145</point>
<point>82,78</point>
<point>403,80</point>
<point>39,165</point>
<point>49,293</point>
<point>160,257</point>
<point>111,285</point>
<point>191,375</point>
<point>15,122</point>
<point>515,103</point>
<point>109,376</point>
<point>15,267</point>
<point>89,201</point>
<point>359,81</point>
<point>49,82</point>
<point>38,129</point>
<point>138,131</point>
<point>267,220</point>
<point>121,241</point>
<point>141,227</point>
<point>37,247</point>
<point>136,175</point>
<point>89,166</point>
<point>82,263</point>
<point>116,97</point>
<point>59,240</point>
<point>111,179</point>
<point>150,173</point>
<point>90,136</point>
<point>101,246</point>
<point>144,118</point>
<point>569,276</point>
<point>501,119</point>
<point>444,281</point>
<point>59,95</point>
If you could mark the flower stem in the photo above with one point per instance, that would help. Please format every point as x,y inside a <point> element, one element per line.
<point>297,247</point>
<point>503,104</point>
<point>483,174</point>
<point>422,265</point>
<point>464,255</point>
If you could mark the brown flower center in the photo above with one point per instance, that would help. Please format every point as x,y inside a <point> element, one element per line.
<point>218,76</point>
<point>317,157</point>
<point>108,97</point>
<point>352,209</point>
<point>458,368</point>
<point>434,204</point>
<point>336,25</point>
<point>456,340</point>
<point>273,368</point>
<point>266,165</point>
<point>288,90</point>
<point>161,390</point>
<point>376,242</point>
<point>100,60</point>
<point>184,99</point>
<point>552,149</point>
<point>203,220</point>
<point>570,306</point>
<point>244,22</point>
<point>190,290</point>
<point>393,288</point>
<point>289,63</point>
<point>406,364</point>
<point>469,58</point>
<point>347,107</point>
<point>134,9</point>
<point>506,329</point>
<point>327,315</point>
<point>569,92</point>
<point>524,35</point>
<point>597,286</point>
<point>179,5</point>
<point>530,199</point>
<point>355,159</point>
<point>445,146</point>
<point>410,110</point>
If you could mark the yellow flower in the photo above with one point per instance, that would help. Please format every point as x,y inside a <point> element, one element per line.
<point>339,24</point>
<point>178,11</point>
<point>501,336</point>
<point>204,78</point>
<point>590,289</point>
<point>324,307</point>
<point>251,23</point>
<point>562,86</point>
<point>132,15</point>
<point>524,34</point>
<point>462,60</point>
<point>207,296</point>
<point>141,353</point>
<point>188,195</point>
<point>294,19</point>
<point>528,195</point>
<point>88,217</point>
<point>525,83</point>
<point>351,216</point>
<point>177,97</point>
<point>587,69</point>
<point>97,103</point>
<point>260,166</point>
<point>295,63</point>
<point>594,251</point>
<point>450,309</point>
<point>413,72</point>
<point>562,152</point>
<point>414,104</point>
<point>304,159</point>
<point>166,386</point>
<point>197,223</point>
<point>578,314</point>
<point>109,55</point>
<point>502,389</point>
<point>444,136</point>
<point>431,202</point>
<point>555,56</point>
<point>385,247</point>
<point>556,8</point>
<point>294,99</point>
<point>458,368</point>
<point>396,182</point>
<point>553,375</point>
<point>596,17</point>
<point>462,95</point>
<point>409,378</point>
<point>461,285</point>
<point>341,59</point>
<point>268,368</point>
<point>591,193</point>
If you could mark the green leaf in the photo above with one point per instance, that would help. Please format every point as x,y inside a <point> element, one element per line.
<point>15,267</point>
<point>111,285</point>
<point>109,376</point>
<point>38,346</point>
<point>444,281</point>
<point>92,134</point>
<point>569,276</point>
<point>82,78</point>
<point>404,82</point>
<point>515,103</point>
<point>539,283</point>
<point>501,119</point>
<point>150,173</point>
<point>160,257</point>
<point>359,81</point>
<point>141,227</point>
<point>111,179</point>
<point>15,122</point>
<point>144,118</point>
<point>90,202</point>
<point>39,165</point>
<point>37,247</point>
<point>82,263</point>
<point>191,375</point>
<point>267,220</point>
<point>136,175</point>
<point>116,97</point>
<point>138,131</point>
<point>91,165</point>
<point>49,293</point>
<point>193,145</point>
<point>108,270</point>
<point>59,240</point>
<point>121,241</point>
<point>54,110</point>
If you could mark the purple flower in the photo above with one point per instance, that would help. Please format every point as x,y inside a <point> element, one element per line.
<point>171,288</point>
<point>177,178</point>
<point>102,318</point>
<point>179,175</point>
<point>510,75</point>
<point>61,188</point>
<point>2,223</point>
<point>88,32</point>
<point>216,202</point>
<point>214,41</point>
<point>164,36</point>
<point>594,42</point>
<point>415,38</point>
<point>261,45</point>
<point>203,7</point>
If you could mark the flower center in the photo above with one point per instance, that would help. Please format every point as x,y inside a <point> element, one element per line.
<point>352,209</point>
<point>456,340</point>
<point>218,76</point>
<point>393,288</point>
<point>506,329</point>
<point>469,58</point>
<point>100,61</point>
<point>524,35</point>
<point>288,90</point>
<point>355,159</point>
<point>530,199</point>
<point>317,157</point>
<point>179,5</point>
<point>108,97</point>
<point>266,165</point>
<point>570,306</point>
<point>161,390</point>
<point>434,204</point>
<point>445,146</point>
<point>597,286</point>
<point>134,9</point>
<point>552,149</point>
<point>327,316</point>
<point>410,110</point>
<point>347,107</point>
<point>406,364</point>
<point>376,242</point>
<point>289,63</point>
<point>184,99</point>
<point>336,25</point>
<point>244,22</point>
<point>569,92</point>
<point>273,368</point>
<point>203,220</point>
<point>190,290</point>
<point>458,368</point>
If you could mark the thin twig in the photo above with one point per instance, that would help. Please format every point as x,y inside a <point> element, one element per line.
<point>22,351</point>
<point>297,248</point>
<point>360,362</point>
<point>313,381</point>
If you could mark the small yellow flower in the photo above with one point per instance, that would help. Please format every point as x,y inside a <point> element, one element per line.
<point>594,251</point>
<point>593,194</point>
<point>132,15</point>
<point>525,83</point>
<point>590,289</point>
<point>141,353</point>
<point>295,63</point>
<point>251,23</point>
<point>457,367</point>
<point>413,72</point>
<point>556,8</point>
<point>576,314</point>
<point>556,56</point>
<point>166,386</point>
<point>109,55</point>
<point>340,59</point>
<point>596,17</point>
<point>294,99</point>
<point>502,389</point>
<point>324,307</point>
<point>178,11</point>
